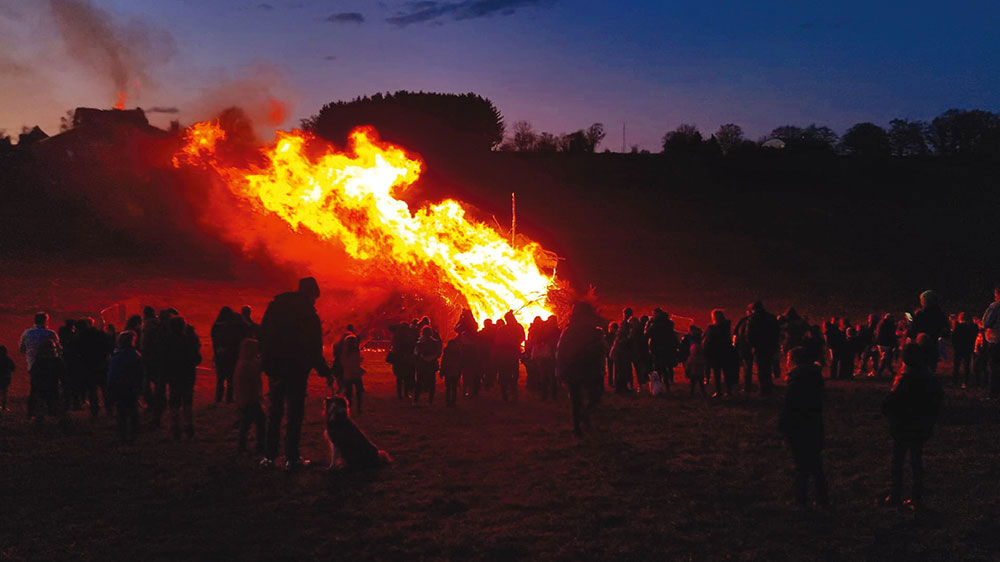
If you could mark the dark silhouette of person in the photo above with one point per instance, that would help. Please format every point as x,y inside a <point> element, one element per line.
<point>125,385</point>
<point>579,361</point>
<point>763,334</point>
<point>621,353</point>
<point>291,339</point>
<point>427,352</point>
<point>47,372</point>
<point>836,341</point>
<point>930,320</point>
<point>75,392</point>
<point>228,331</point>
<point>154,328</point>
<point>451,369</point>
<point>246,314</point>
<point>793,329</point>
<point>719,352</point>
<point>182,355</point>
<point>248,390</point>
<point>337,369</point>
<point>609,342</point>
<point>482,377</point>
<point>353,385</point>
<point>695,361</point>
<point>887,342</point>
<point>642,358</point>
<point>662,345</point>
<point>801,422</point>
<point>95,349</point>
<point>869,351</point>
<point>507,350</point>
<point>991,333</point>
<point>543,355</point>
<point>744,350</point>
<point>6,373</point>
<point>532,380</point>
<point>912,408</point>
<point>963,342</point>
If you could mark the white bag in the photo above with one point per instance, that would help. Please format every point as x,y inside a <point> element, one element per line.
<point>656,386</point>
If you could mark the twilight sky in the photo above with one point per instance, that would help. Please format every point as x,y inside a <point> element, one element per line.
<point>561,64</point>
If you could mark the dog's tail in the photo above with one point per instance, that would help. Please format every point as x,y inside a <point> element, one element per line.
<point>383,458</point>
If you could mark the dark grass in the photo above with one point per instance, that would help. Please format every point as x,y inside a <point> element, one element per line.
<point>673,479</point>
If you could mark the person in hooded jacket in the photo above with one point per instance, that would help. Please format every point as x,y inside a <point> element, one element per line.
<point>912,408</point>
<point>291,340</point>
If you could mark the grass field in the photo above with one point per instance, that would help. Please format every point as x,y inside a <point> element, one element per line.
<point>657,479</point>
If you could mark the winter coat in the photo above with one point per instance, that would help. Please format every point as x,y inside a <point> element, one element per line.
<point>291,335</point>
<point>580,354</point>
<point>125,372</point>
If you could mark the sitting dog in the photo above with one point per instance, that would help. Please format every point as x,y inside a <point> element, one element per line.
<point>350,448</point>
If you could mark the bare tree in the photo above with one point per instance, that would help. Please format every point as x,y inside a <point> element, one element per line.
<point>729,136</point>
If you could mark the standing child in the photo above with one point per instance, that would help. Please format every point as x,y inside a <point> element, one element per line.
<point>696,366</point>
<point>353,372</point>
<point>248,392</point>
<point>801,422</point>
<point>451,371</point>
<point>6,368</point>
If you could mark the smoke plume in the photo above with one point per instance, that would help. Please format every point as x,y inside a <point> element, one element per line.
<point>120,52</point>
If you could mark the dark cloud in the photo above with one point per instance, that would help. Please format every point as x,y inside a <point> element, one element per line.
<point>347,17</point>
<point>432,11</point>
<point>159,109</point>
<point>330,57</point>
<point>265,6</point>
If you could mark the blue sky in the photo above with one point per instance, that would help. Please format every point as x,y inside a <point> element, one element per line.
<point>560,64</point>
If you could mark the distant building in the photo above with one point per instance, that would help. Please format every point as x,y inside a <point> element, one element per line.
<point>773,143</point>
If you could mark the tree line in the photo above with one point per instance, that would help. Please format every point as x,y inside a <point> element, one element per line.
<point>955,133</point>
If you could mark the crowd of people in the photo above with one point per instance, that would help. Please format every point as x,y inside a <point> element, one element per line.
<point>154,361</point>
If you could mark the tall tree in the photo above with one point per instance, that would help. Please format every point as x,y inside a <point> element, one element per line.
<point>729,136</point>
<point>685,138</point>
<point>419,121</point>
<point>524,138</point>
<point>595,134</point>
<point>967,133</point>
<point>909,138</point>
<point>866,139</point>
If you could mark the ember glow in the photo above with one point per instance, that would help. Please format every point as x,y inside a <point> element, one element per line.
<point>349,198</point>
<point>120,103</point>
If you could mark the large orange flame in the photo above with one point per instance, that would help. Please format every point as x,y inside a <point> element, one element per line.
<point>348,197</point>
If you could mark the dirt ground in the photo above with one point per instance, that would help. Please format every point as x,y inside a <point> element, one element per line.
<point>679,478</point>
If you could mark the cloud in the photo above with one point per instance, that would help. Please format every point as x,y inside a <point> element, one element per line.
<point>159,109</point>
<point>330,57</point>
<point>424,11</point>
<point>266,6</point>
<point>346,17</point>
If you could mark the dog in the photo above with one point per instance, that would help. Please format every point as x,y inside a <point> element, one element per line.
<point>350,448</point>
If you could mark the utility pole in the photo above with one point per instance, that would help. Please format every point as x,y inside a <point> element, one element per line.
<point>513,219</point>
